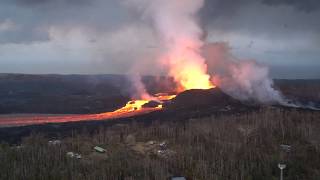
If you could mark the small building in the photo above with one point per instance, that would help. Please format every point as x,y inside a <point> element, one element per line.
<point>54,142</point>
<point>74,155</point>
<point>285,147</point>
<point>99,149</point>
<point>178,178</point>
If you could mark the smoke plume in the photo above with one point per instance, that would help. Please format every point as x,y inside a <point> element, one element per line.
<point>176,26</point>
<point>139,89</point>
<point>243,79</point>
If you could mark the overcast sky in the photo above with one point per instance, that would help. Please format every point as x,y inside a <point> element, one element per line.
<point>105,36</point>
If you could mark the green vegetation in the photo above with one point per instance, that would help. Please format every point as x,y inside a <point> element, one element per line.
<point>236,147</point>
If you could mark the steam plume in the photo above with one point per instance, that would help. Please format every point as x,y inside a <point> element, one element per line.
<point>242,79</point>
<point>177,28</point>
<point>139,89</point>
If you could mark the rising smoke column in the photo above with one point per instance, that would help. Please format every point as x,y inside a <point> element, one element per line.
<point>243,79</point>
<point>176,26</point>
<point>139,88</point>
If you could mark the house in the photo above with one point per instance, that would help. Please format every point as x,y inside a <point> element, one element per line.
<point>178,178</point>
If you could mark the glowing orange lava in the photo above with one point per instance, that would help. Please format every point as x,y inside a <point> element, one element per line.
<point>187,66</point>
<point>164,96</point>
<point>194,79</point>
<point>132,108</point>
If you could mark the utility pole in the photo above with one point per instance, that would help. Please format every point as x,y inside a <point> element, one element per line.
<point>281,167</point>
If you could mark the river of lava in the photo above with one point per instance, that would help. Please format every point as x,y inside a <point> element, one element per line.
<point>132,108</point>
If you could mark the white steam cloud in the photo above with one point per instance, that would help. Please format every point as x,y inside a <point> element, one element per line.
<point>242,79</point>
<point>139,89</point>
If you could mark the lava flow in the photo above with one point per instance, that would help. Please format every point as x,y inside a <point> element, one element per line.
<point>132,108</point>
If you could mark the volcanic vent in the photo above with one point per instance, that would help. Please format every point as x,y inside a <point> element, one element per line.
<point>203,98</point>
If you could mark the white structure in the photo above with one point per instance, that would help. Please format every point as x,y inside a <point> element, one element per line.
<point>178,178</point>
<point>281,167</point>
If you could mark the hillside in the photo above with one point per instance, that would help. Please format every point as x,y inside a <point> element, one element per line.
<point>243,146</point>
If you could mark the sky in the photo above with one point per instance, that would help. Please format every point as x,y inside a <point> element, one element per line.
<point>107,36</point>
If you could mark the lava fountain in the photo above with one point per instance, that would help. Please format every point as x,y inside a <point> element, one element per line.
<point>181,37</point>
<point>180,34</point>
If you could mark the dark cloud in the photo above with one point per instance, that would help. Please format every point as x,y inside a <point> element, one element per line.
<point>42,2</point>
<point>214,9</point>
<point>24,35</point>
<point>230,7</point>
<point>303,5</point>
<point>34,18</point>
<point>274,18</point>
<point>293,24</point>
